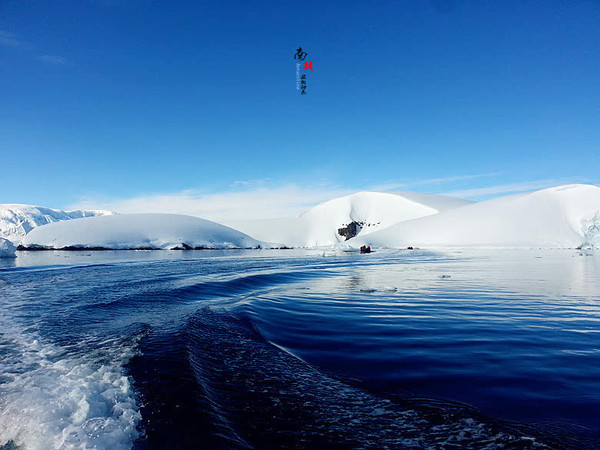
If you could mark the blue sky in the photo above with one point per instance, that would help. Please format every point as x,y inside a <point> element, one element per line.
<point>115,102</point>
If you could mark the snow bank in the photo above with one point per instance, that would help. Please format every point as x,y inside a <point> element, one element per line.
<point>559,217</point>
<point>137,231</point>
<point>18,220</point>
<point>7,249</point>
<point>369,211</point>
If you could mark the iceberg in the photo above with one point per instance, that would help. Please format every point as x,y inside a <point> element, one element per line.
<point>136,231</point>
<point>7,249</point>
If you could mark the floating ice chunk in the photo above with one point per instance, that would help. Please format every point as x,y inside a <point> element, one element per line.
<point>7,249</point>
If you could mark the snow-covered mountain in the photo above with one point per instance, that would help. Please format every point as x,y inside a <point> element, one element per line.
<point>343,218</point>
<point>136,231</point>
<point>558,217</point>
<point>18,220</point>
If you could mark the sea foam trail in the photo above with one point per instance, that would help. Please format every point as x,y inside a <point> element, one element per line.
<point>51,397</point>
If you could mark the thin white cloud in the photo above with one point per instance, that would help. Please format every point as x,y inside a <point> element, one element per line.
<point>259,200</point>
<point>389,187</point>
<point>246,183</point>
<point>254,203</point>
<point>510,188</point>
<point>53,59</point>
<point>8,39</point>
<point>454,178</point>
<point>441,180</point>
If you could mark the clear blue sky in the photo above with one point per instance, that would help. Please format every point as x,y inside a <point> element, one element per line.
<point>125,98</point>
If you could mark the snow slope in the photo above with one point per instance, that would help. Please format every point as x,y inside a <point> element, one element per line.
<point>137,231</point>
<point>7,249</point>
<point>18,220</point>
<point>371,211</point>
<point>559,217</point>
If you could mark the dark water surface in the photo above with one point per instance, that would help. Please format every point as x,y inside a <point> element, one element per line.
<point>300,349</point>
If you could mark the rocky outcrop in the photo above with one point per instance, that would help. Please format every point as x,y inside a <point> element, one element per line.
<point>350,230</point>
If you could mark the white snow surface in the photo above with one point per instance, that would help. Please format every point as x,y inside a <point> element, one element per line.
<point>373,210</point>
<point>7,249</point>
<point>137,231</point>
<point>18,220</point>
<point>559,217</point>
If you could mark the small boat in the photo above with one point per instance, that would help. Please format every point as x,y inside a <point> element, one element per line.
<point>365,249</point>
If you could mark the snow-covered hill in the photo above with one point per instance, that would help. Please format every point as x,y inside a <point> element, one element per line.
<point>342,218</point>
<point>559,217</point>
<point>18,220</point>
<point>136,231</point>
<point>7,249</point>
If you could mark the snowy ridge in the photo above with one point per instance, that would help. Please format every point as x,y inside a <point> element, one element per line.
<point>369,211</point>
<point>18,220</point>
<point>137,231</point>
<point>559,217</point>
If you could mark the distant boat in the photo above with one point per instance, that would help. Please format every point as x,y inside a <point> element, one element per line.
<point>365,249</point>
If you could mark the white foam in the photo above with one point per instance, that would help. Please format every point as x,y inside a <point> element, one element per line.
<point>51,397</point>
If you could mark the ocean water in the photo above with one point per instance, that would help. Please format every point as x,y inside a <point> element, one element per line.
<point>300,349</point>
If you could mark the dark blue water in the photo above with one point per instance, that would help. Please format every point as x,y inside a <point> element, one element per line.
<point>265,349</point>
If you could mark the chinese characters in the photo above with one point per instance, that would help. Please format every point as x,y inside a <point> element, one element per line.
<point>301,55</point>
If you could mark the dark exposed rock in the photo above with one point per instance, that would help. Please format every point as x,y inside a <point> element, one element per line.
<point>350,230</point>
<point>183,246</point>
<point>353,228</point>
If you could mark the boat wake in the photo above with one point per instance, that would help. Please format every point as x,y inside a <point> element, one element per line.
<point>223,385</point>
